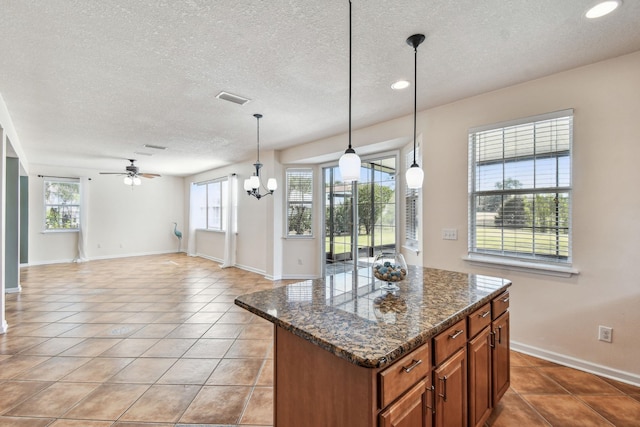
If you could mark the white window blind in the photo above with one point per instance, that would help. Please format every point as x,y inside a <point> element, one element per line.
<point>299,202</point>
<point>520,188</point>
<point>412,205</point>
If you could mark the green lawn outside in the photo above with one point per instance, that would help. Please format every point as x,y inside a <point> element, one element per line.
<point>382,237</point>
<point>521,240</point>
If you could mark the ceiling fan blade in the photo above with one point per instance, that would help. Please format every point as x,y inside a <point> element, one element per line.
<point>148,175</point>
<point>112,173</point>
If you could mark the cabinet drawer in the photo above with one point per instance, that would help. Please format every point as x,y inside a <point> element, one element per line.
<point>446,343</point>
<point>479,319</point>
<point>499,305</point>
<point>404,373</point>
<point>412,407</point>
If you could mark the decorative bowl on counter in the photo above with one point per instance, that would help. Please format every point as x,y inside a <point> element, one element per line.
<point>390,268</point>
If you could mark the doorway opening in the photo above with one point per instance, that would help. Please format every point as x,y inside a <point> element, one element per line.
<point>360,217</point>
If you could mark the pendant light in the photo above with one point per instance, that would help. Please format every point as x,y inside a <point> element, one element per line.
<point>350,162</point>
<point>252,184</point>
<point>414,174</point>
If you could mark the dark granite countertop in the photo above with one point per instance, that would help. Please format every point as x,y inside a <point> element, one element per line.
<point>351,317</point>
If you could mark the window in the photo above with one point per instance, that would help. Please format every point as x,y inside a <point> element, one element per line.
<point>520,189</point>
<point>61,205</point>
<point>412,206</point>
<point>299,202</point>
<point>211,204</point>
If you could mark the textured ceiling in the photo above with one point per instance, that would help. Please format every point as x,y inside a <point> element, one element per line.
<point>87,82</point>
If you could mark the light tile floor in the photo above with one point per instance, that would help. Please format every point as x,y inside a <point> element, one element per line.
<point>157,341</point>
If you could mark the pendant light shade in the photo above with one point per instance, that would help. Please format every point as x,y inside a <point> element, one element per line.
<point>272,184</point>
<point>415,175</point>
<point>350,166</point>
<point>350,162</point>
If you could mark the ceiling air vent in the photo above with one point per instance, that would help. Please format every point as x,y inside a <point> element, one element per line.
<point>236,99</point>
<point>155,147</point>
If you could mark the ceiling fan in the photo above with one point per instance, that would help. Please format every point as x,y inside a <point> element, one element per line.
<point>132,174</point>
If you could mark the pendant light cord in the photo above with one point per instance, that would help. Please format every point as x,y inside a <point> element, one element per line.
<point>350,75</point>
<point>258,138</point>
<point>415,101</point>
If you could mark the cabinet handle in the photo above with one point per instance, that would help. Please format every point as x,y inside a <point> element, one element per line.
<point>485,314</point>
<point>444,388</point>
<point>505,299</point>
<point>456,334</point>
<point>492,340</point>
<point>500,334</point>
<point>431,390</point>
<point>414,363</point>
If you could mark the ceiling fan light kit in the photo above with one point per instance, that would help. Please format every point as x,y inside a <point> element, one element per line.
<point>132,174</point>
<point>252,184</point>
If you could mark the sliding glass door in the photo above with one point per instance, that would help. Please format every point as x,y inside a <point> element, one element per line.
<point>360,217</point>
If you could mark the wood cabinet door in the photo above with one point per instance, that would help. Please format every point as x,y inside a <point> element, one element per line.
<point>450,380</point>
<point>501,359</point>
<point>410,410</point>
<point>480,398</point>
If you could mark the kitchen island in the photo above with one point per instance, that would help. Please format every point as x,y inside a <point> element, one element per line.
<point>350,354</point>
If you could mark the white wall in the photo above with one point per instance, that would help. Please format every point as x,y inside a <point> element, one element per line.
<point>122,221</point>
<point>549,314</point>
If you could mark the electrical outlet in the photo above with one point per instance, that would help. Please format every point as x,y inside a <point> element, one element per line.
<point>605,333</point>
<point>449,234</point>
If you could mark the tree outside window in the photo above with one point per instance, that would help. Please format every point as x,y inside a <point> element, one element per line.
<point>520,189</point>
<point>62,205</point>
<point>299,202</point>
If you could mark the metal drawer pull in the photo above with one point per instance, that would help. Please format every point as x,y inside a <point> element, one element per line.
<point>485,314</point>
<point>456,334</point>
<point>492,339</point>
<point>409,368</point>
<point>444,388</point>
<point>432,390</point>
<point>505,299</point>
<point>500,334</point>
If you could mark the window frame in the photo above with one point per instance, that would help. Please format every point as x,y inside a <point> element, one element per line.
<point>224,186</point>
<point>536,261</point>
<point>288,202</point>
<point>47,181</point>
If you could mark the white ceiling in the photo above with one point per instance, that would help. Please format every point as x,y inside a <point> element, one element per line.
<point>87,82</point>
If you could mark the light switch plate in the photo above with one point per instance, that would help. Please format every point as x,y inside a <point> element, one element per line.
<point>449,234</point>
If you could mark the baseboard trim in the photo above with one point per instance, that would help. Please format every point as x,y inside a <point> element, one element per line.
<point>582,365</point>
<point>13,290</point>
<point>300,277</point>
<point>97,258</point>
<point>4,326</point>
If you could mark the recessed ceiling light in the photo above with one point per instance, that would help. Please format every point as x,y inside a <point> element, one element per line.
<point>602,9</point>
<point>400,84</point>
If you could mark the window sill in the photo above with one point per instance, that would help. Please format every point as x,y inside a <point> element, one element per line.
<point>412,249</point>
<point>523,266</point>
<point>296,237</point>
<point>210,230</point>
<point>62,230</point>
